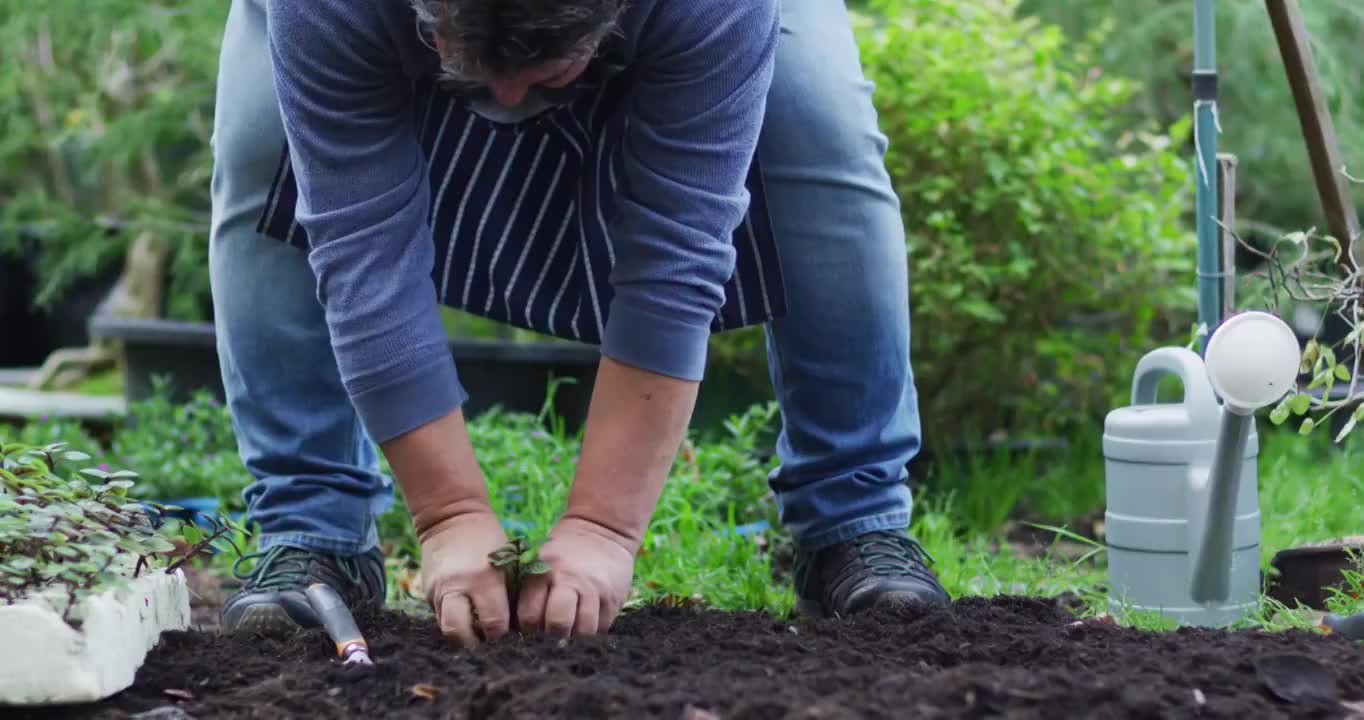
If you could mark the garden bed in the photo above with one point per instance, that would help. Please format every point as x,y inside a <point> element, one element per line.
<point>1006,656</point>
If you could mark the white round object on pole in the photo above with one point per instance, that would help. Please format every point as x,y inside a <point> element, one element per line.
<point>1252,361</point>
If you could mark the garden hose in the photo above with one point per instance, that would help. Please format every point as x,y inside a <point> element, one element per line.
<point>340,625</point>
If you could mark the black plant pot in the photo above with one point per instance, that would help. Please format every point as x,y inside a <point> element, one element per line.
<point>514,376</point>
<point>40,332</point>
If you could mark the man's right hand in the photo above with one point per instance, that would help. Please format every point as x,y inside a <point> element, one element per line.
<point>468,594</point>
<point>444,488</point>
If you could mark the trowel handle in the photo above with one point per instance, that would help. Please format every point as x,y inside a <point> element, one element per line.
<point>1182,363</point>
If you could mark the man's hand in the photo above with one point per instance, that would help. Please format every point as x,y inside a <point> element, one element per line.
<point>634,426</point>
<point>468,594</point>
<point>588,581</point>
<point>444,488</point>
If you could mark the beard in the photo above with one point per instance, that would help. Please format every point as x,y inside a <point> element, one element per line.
<point>537,101</point>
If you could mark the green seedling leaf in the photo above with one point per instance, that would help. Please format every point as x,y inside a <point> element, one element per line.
<point>157,543</point>
<point>1342,373</point>
<point>539,567</point>
<point>1281,411</point>
<point>1347,428</point>
<point>1308,424</point>
<point>75,456</point>
<point>125,475</point>
<point>95,473</point>
<point>1300,403</point>
<point>1309,357</point>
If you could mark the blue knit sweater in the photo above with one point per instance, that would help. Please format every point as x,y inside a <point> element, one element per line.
<point>343,71</point>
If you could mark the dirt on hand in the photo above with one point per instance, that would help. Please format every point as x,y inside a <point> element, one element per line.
<point>1003,657</point>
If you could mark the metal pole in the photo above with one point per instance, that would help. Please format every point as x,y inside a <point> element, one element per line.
<point>1205,166</point>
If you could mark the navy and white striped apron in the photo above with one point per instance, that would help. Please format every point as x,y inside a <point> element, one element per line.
<point>520,215</point>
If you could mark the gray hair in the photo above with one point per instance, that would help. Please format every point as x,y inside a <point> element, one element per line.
<point>484,38</point>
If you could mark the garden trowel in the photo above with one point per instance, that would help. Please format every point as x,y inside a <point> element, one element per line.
<point>340,625</point>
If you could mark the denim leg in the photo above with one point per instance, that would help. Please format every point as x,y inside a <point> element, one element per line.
<point>839,360</point>
<point>317,481</point>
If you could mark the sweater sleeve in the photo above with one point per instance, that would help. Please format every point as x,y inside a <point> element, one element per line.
<point>363,199</point>
<point>696,111</point>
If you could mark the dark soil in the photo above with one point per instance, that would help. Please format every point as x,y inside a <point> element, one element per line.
<point>1010,657</point>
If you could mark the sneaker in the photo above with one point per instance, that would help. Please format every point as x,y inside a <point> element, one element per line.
<point>884,569</point>
<point>272,599</point>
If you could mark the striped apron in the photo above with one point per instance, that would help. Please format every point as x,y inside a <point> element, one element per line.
<point>520,215</point>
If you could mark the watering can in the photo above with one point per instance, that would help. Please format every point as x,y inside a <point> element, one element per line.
<point>1182,522</point>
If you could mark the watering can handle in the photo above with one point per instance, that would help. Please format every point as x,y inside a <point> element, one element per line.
<point>1182,363</point>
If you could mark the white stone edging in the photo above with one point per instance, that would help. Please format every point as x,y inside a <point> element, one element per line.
<point>45,661</point>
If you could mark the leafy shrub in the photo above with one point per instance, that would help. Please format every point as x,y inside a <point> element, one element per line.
<point>1275,192</point>
<point>1047,246</point>
<point>187,448</point>
<point>181,450</point>
<point>1312,274</point>
<point>106,109</point>
<point>67,535</point>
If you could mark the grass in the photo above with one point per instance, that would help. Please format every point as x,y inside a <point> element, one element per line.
<point>715,537</point>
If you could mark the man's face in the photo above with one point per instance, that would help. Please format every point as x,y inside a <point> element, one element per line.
<point>511,89</point>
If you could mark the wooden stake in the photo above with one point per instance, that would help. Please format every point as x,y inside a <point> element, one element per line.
<point>1226,215</point>
<point>1317,128</point>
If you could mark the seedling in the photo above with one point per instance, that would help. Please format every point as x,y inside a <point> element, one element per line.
<point>519,559</point>
<point>74,534</point>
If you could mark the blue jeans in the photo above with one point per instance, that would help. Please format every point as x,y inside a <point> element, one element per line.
<point>839,360</point>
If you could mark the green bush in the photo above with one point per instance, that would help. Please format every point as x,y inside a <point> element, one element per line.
<point>1045,231</point>
<point>67,532</point>
<point>179,450</point>
<point>1275,190</point>
<point>106,109</point>
<point>1048,241</point>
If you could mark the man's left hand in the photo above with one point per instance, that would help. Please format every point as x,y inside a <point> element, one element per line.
<point>591,568</point>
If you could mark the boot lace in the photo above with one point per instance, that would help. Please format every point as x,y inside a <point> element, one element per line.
<point>282,567</point>
<point>890,553</point>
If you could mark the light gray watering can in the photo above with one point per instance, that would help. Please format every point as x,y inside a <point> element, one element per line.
<point>1182,523</point>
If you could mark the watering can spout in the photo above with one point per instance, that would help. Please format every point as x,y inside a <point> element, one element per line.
<point>1213,492</point>
<point>1252,361</point>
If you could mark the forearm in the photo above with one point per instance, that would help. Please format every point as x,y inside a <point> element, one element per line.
<point>363,197</point>
<point>635,425</point>
<point>438,472</point>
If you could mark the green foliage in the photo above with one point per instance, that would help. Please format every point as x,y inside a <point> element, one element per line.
<point>690,549</point>
<point>519,559</point>
<point>1153,44</point>
<point>1309,275</point>
<point>67,534</point>
<point>106,110</point>
<point>188,449</point>
<point>182,450</point>
<point>1046,243</point>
